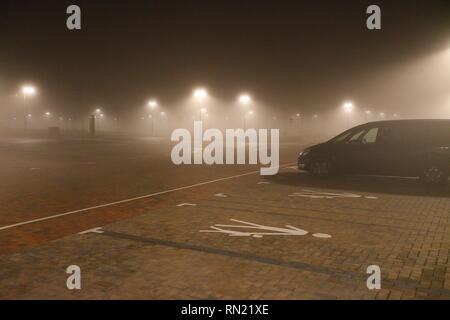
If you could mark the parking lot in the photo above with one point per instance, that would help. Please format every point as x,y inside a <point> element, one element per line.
<point>139,227</point>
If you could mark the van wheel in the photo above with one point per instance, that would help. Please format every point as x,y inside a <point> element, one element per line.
<point>434,175</point>
<point>321,169</point>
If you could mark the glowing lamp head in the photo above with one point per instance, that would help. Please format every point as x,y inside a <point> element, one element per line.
<point>348,107</point>
<point>200,94</point>
<point>152,104</point>
<point>28,90</point>
<point>245,99</point>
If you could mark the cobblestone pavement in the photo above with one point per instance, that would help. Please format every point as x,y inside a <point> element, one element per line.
<point>157,247</point>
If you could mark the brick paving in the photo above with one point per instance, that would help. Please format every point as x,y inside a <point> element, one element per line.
<point>153,249</point>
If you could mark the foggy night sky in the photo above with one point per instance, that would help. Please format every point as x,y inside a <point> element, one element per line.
<point>292,55</point>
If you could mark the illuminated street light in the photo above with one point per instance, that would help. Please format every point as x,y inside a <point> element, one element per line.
<point>245,99</point>
<point>200,94</point>
<point>348,107</point>
<point>152,104</point>
<point>299,120</point>
<point>48,114</point>
<point>27,91</point>
<point>98,111</point>
<point>162,113</point>
<point>382,114</point>
<point>367,113</point>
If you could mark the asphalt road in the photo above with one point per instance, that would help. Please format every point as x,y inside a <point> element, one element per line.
<point>224,232</point>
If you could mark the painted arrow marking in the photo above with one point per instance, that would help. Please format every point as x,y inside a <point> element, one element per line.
<point>306,193</point>
<point>221,195</point>
<point>260,230</point>
<point>186,204</point>
<point>93,230</point>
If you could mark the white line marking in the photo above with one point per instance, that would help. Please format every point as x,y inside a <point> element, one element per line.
<point>221,195</point>
<point>186,204</point>
<point>263,182</point>
<point>321,235</point>
<point>322,195</point>
<point>130,199</point>
<point>93,230</point>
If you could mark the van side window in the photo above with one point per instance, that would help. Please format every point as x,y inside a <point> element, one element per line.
<point>341,137</point>
<point>355,137</point>
<point>370,136</point>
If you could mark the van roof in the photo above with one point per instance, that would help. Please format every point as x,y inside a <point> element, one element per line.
<point>411,121</point>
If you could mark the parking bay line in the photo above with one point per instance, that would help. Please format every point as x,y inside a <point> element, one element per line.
<point>19,224</point>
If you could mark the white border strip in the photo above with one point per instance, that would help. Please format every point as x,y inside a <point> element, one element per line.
<point>130,199</point>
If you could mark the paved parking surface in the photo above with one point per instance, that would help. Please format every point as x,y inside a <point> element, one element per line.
<point>245,237</point>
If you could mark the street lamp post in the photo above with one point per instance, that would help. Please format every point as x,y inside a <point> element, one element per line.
<point>245,100</point>
<point>152,104</point>
<point>367,114</point>
<point>26,91</point>
<point>162,127</point>
<point>202,112</point>
<point>248,114</point>
<point>200,95</point>
<point>348,108</point>
<point>98,113</point>
<point>298,116</point>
